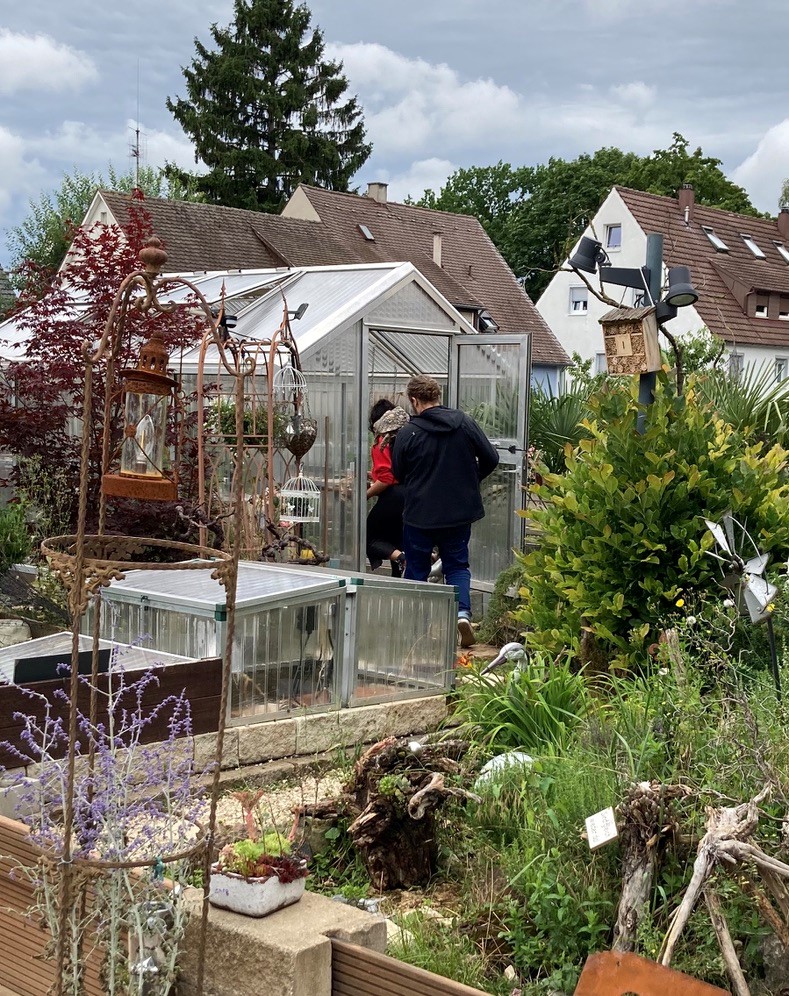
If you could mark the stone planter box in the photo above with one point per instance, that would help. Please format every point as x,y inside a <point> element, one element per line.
<point>252,896</point>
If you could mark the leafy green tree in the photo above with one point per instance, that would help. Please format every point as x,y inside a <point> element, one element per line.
<point>666,170</point>
<point>535,214</point>
<point>783,200</point>
<point>44,236</point>
<point>266,111</point>
<point>490,193</point>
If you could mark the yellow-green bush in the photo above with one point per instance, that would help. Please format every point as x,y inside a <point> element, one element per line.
<point>623,535</point>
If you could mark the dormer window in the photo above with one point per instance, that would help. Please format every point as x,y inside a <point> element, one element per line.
<point>717,241</point>
<point>761,311</point>
<point>751,243</point>
<point>782,250</point>
<point>613,237</point>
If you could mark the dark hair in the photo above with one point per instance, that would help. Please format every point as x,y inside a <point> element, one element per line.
<point>424,389</point>
<point>378,409</point>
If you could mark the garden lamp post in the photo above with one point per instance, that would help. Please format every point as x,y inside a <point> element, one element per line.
<point>680,294</point>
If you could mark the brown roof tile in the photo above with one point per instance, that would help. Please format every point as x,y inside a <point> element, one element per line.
<point>472,275</point>
<point>472,271</point>
<point>688,245</point>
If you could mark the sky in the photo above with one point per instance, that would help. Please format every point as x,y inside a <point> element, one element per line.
<point>443,84</point>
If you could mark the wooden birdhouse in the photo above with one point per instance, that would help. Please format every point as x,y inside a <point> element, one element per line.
<point>631,340</point>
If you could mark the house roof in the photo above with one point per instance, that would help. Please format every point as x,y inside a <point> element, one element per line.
<point>723,279</point>
<point>472,275</point>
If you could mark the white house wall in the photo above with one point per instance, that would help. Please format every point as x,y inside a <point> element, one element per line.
<point>580,332</point>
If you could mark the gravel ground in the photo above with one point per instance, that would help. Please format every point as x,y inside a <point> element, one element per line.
<point>276,805</point>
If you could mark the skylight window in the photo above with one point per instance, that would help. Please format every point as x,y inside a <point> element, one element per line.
<point>367,233</point>
<point>782,250</point>
<point>751,243</point>
<point>718,242</point>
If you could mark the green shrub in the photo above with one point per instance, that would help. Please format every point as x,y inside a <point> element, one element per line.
<point>623,536</point>
<point>14,536</point>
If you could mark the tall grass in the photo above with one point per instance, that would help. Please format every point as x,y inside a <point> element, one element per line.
<point>537,706</point>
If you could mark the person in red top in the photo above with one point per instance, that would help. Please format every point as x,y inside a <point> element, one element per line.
<point>385,519</point>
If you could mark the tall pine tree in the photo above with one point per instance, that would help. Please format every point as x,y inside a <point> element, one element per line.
<point>266,111</point>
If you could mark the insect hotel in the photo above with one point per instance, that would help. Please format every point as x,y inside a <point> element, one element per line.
<point>631,340</point>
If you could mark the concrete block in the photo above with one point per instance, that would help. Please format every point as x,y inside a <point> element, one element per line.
<point>317,733</point>
<point>266,741</point>
<point>285,954</point>
<point>205,750</point>
<point>13,631</point>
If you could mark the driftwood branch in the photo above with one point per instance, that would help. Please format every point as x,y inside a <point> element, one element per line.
<point>726,827</point>
<point>739,986</point>
<point>646,822</point>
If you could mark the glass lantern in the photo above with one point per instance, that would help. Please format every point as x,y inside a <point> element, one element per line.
<point>147,394</point>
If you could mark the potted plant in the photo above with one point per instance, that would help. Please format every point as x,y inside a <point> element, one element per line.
<point>258,875</point>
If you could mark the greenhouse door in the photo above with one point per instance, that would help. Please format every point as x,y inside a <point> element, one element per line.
<point>492,384</point>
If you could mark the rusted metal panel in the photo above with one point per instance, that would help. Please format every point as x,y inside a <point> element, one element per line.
<point>358,971</point>
<point>614,973</point>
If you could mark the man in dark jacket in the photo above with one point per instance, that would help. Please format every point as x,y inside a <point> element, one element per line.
<point>440,456</point>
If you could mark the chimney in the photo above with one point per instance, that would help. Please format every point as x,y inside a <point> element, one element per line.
<point>783,223</point>
<point>437,248</point>
<point>377,192</point>
<point>687,201</point>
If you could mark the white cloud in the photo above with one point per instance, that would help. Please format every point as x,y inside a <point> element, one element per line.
<point>415,110</point>
<point>422,175</point>
<point>637,95</point>
<point>20,176</point>
<point>37,62</point>
<point>79,142</point>
<point>413,106</point>
<point>764,171</point>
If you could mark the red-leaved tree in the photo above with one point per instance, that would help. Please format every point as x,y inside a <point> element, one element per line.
<point>41,404</point>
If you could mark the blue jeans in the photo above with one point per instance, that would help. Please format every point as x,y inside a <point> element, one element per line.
<point>452,546</point>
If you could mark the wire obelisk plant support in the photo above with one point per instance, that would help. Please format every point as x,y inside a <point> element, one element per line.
<point>86,563</point>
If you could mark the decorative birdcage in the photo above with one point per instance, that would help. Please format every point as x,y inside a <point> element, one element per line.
<point>300,500</point>
<point>296,430</point>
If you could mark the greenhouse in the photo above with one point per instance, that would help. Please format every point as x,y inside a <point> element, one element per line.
<point>362,332</point>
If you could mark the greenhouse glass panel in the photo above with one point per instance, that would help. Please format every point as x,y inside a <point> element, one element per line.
<point>332,371</point>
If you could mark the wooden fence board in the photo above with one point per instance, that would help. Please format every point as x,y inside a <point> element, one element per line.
<point>22,967</point>
<point>358,971</point>
<point>202,681</point>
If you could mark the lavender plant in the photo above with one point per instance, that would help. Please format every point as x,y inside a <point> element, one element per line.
<point>135,814</point>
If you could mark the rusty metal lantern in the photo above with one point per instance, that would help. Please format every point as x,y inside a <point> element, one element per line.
<point>148,391</point>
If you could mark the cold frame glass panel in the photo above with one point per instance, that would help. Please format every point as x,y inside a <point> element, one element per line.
<point>405,640</point>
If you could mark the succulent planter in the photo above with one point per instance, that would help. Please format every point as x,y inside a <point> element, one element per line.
<point>252,896</point>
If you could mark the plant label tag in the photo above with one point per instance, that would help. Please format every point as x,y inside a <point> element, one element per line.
<point>601,828</point>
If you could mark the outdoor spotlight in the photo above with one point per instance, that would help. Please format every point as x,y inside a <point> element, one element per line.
<point>589,253</point>
<point>681,291</point>
<point>229,322</point>
<point>664,312</point>
<point>298,314</point>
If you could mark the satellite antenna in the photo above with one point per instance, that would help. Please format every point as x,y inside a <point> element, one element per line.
<point>745,578</point>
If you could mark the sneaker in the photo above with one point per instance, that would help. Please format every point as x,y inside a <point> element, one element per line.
<point>465,632</point>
